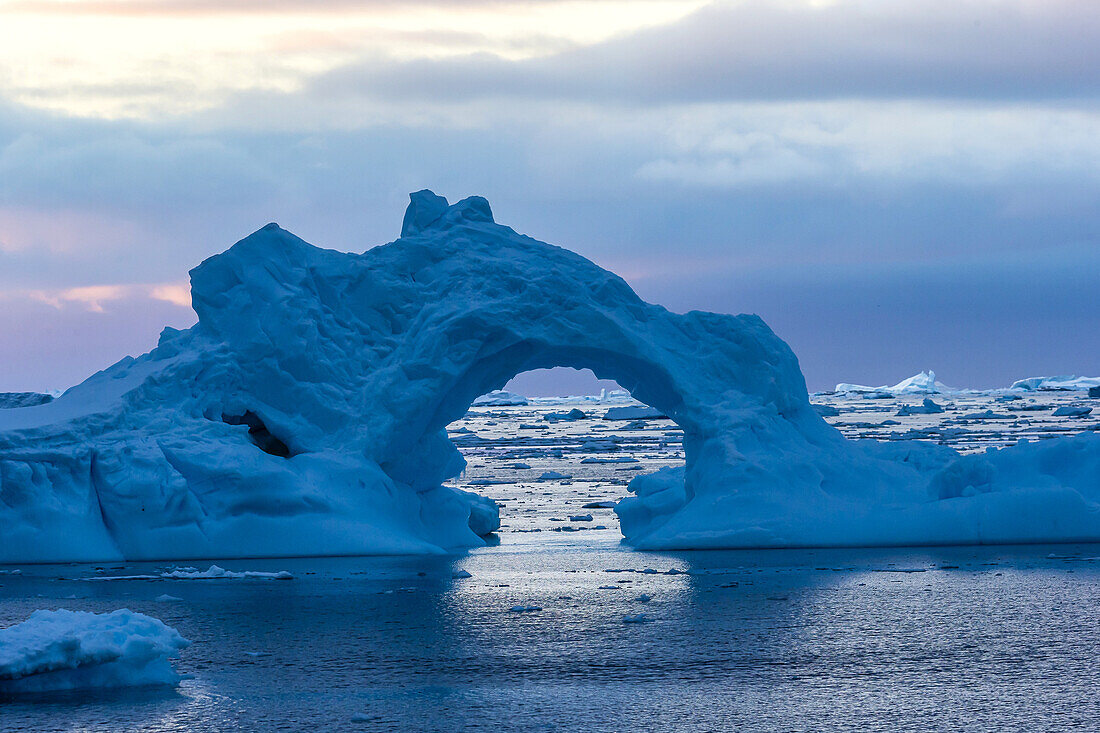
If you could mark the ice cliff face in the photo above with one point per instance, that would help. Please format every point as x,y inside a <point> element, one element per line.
<point>305,413</point>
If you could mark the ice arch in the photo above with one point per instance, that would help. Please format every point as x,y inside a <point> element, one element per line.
<point>305,414</point>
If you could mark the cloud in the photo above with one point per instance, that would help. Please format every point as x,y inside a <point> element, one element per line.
<point>95,298</point>
<point>132,8</point>
<point>738,51</point>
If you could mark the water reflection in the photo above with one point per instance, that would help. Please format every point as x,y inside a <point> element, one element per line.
<point>760,640</point>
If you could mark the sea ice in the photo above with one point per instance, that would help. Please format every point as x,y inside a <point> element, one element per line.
<point>1071,411</point>
<point>66,650</point>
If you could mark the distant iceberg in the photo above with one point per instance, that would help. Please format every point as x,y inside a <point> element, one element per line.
<point>1070,384</point>
<point>76,650</point>
<point>499,398</point>
<point>923,383</point>
<point>306,412</point>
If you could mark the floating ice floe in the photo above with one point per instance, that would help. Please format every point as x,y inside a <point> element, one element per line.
<point>68,650</point>
<point>214,572</point>
<point>1071,411</point>
<point>305,414</point>
<point>525,609</point>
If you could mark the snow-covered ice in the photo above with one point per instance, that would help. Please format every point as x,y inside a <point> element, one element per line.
<point>67,650</point>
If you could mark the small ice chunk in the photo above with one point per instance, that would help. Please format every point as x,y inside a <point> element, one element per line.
<point>581,518</point>
<point>460,575</point>
<point>600,505</point>
<point>165,598</point>
<point>215,572</point>
<point>637,618</point>
<point>553,476</point>
<point>525,609</point>
<point>644,598</point>
<point>71,650</point>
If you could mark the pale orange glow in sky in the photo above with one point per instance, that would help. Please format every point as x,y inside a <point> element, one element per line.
<point>150,60</point>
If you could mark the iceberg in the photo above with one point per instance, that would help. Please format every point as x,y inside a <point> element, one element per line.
<point>499,398</point>
<point>306,412</point>
<point>74,650</point>
<point>1056,384</point>
<point>923,383</point>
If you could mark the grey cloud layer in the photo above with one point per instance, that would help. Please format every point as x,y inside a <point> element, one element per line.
<point>748,51</point>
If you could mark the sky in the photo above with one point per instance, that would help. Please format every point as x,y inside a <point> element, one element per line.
<point>893,185</point>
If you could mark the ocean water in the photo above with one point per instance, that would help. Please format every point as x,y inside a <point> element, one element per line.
<point>948,639</point>
<point>974,639</point>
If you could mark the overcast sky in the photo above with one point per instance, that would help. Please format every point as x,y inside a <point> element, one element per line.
<point>893,185</point>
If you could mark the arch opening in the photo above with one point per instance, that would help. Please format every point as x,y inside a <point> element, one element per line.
<point>561,464</point>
